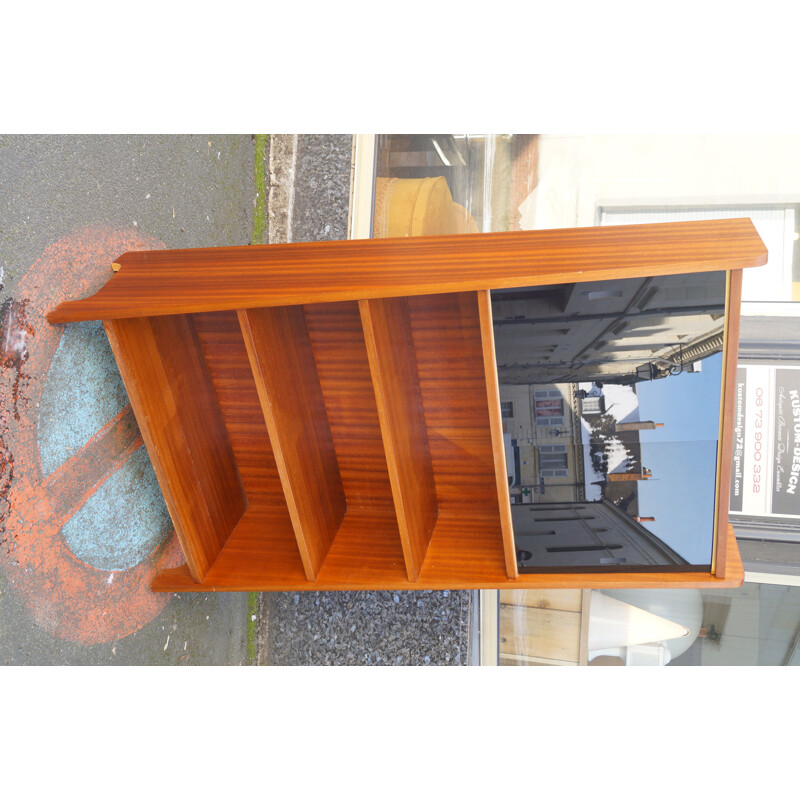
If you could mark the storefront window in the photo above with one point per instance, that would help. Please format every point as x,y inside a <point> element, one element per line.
<point>435,184</point>
<point>755,625</point>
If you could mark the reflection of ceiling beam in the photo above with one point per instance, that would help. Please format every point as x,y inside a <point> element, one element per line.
<point>678,358</point>
<point>683,311</point>
<point>578,363</point>
<point>702,349</point>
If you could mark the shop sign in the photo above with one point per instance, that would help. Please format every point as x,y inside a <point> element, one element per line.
<point>765,474</point>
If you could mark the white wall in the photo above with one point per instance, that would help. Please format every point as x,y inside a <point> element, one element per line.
<point>579,173</point>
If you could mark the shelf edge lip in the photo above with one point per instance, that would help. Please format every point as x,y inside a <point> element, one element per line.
<point>267,275</point>
<point>91,309</point>
<point>162,583</point>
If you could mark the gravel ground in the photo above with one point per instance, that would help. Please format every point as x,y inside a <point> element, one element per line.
<point>367,628</point>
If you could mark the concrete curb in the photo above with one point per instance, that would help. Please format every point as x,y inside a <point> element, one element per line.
<point>280,197</point>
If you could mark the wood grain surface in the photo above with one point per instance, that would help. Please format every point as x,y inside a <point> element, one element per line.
<point>158,282</point>
<point>466,549</point>
<point>359,561</point>
<point>282,363</point>
<point>393,365</point>
<point>720,562</point>
<point>367,551</point>
<point>173,397</point>
<point>496,430</point>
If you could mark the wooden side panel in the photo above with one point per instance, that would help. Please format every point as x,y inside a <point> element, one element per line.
<point>282,362</point>
<point>228,278</point>
<point>733,571</point>
<point>728,419</point>
<point>261,555</point>
<point>173,397</point>
<point>393,364</point>
<point>496,431</point>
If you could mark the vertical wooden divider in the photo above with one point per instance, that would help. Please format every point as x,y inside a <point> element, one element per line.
<point>393,365</point>
<point>719,555</point>
<point>496,429</point>
<point>171,392</point>
<point>282,361</point>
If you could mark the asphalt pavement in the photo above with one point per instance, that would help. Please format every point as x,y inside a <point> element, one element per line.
<point>66,203</point>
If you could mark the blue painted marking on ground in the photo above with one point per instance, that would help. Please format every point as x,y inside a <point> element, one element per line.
<point>82,392</point>
<point>123,521</point>
<point>126,518</point>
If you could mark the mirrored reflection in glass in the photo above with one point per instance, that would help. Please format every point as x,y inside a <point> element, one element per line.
<point>437,184</point>
<point>610,397</point>
<point>753,625</point>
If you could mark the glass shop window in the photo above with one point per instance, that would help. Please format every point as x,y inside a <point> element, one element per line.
<point>553,461</point>
<point>548,407</point>
<point>435,184</point>
<point>753,625</point>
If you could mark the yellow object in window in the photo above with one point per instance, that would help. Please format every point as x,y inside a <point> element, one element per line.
<point>418,207</point>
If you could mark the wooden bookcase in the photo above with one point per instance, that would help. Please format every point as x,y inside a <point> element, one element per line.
<point>326,415</point>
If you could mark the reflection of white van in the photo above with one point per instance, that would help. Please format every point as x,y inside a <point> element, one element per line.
<point>511,466</point>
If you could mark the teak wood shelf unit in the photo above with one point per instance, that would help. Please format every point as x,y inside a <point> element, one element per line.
<point>326,415</point>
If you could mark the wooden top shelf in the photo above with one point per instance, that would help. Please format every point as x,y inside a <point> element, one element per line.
<point>158,282</point>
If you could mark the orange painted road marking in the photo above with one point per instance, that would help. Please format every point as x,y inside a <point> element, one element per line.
<point>67,597</point>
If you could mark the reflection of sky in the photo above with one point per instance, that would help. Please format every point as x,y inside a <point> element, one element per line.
<point>682,456</point>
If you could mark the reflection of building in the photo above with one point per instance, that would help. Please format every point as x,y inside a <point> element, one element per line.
<point>544,427</point>
<point>626,330</point>
<point>558,451</point>
<point>553,535</point>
